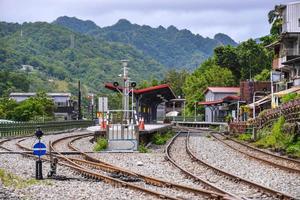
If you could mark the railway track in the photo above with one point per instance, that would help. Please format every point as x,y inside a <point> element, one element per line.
<point>96,169</point>
<point>197,168</point>
<point>281,162</point>
<point>149,180</point>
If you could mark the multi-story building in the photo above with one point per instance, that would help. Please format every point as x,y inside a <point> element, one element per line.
<point>287,48</point>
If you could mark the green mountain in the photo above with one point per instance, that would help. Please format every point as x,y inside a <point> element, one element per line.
<point>171,47</point>
<point>54,57</point>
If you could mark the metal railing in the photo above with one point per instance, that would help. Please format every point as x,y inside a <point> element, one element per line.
<point>181,119</point>
<point>29,128</point>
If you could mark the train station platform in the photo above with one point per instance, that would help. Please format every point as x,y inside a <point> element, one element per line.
<point>128,140</point>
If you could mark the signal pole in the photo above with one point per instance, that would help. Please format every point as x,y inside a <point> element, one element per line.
<point>126,89</point>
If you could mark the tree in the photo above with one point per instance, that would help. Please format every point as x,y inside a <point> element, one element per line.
<point>275,18</point>
<point>176,79</point>
<point>227,56</point>
<point>253,58</point>
<point>263,76</point>
<point>34,108</point>
<point>208,74</point>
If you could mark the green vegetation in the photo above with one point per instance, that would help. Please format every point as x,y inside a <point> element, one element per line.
<point>101,144</point>
<point>264,75</point>
<point>11,180</point>
<point>13,82</point>
<point>279,139</point>
<point>172,47</point>
<point>142,148</point>
<point>160,139</point>
<point>289,97</point>
<point>38,108</point>
<point>245,137</point>
<point>54,53</point>
<point>208,74</point>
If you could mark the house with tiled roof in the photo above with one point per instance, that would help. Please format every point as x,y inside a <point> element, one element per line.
<point>216,102</point>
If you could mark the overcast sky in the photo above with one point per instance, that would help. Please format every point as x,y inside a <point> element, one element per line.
<point>240,19</point>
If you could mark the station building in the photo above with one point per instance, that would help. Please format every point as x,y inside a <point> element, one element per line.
<point>148,99</point>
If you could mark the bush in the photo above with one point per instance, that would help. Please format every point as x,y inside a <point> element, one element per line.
<point>101,144</point>
<point>294,149</point>
<point>245,136</point>
<point>160,139</point>
<point>142,148</point>
<point>275,139</point>
<point>289,97</point>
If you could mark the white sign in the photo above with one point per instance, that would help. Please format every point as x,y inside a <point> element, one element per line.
<point>103,104</point>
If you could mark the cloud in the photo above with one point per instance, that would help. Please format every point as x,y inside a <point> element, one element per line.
<point>238,18</point>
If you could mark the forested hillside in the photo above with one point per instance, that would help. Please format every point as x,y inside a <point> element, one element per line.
<point>53,58</point>
<point>171,47</point>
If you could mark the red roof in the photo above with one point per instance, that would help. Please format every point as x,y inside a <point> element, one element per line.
<point>141,91</point>
<point>227,98</point>
<point>223,89</point>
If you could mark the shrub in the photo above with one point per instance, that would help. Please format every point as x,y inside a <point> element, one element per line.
<point>142,148</point>
<point>160,139</point>
<point>245,136</point>
<point>294,149</point>
<point>101,144</point>
<point>289,97</point>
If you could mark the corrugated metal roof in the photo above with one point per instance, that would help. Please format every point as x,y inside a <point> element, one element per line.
<point>223,89</point>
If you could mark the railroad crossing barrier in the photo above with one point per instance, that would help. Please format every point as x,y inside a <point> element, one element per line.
<point>27,128</point>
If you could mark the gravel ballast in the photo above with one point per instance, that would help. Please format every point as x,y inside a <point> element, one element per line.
<point>219,155</point>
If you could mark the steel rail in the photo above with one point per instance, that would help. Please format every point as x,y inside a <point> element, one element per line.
<point>210,185</point>
<point>294,161</point>
<point>271,191</point>
<point>148,179</point>
<point>255,157</point>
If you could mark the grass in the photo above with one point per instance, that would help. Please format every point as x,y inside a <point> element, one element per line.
<point>245,137</point>
<point>160,139</point>
<point>101,144</point>
<point>142,148</point>
<point>11,180</point>
<point>277,140</point>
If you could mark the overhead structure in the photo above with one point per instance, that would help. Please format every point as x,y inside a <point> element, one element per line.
<point>148,99</point>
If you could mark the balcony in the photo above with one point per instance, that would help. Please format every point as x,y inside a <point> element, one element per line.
<point>289,52</point>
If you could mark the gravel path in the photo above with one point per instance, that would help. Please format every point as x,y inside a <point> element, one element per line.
<point>219,155</point>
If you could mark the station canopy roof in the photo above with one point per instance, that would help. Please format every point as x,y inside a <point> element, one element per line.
<point>155,94</point>
<point>219,101</point>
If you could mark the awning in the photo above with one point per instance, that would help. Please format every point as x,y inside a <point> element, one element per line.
<point>284,92</point>
<point>260,101</point>
<point>225,99</point>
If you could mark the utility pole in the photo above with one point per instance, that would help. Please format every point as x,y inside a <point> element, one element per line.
<point>79,101</point>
